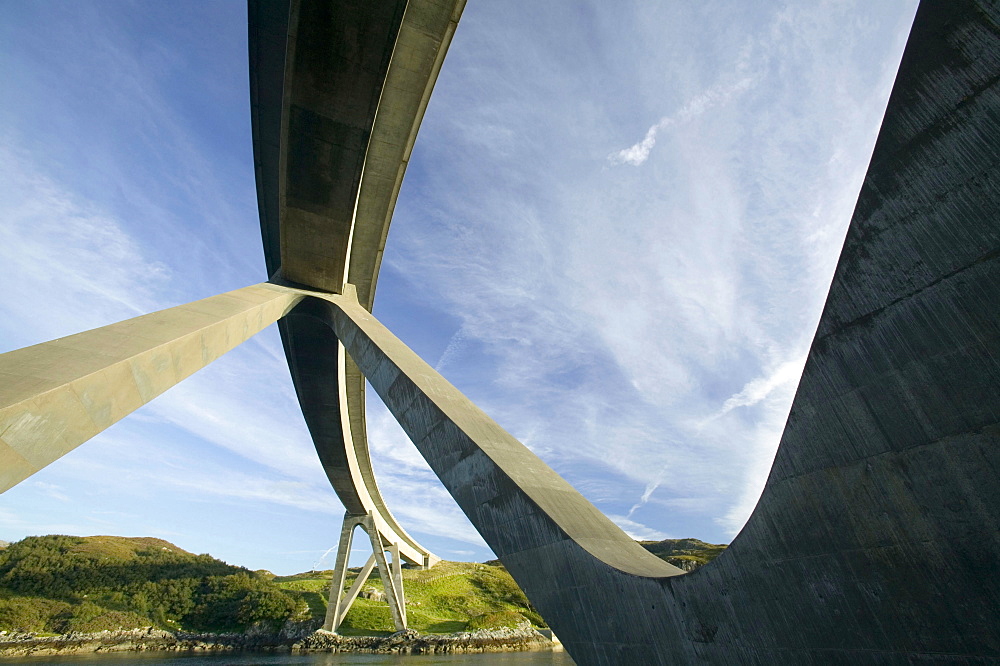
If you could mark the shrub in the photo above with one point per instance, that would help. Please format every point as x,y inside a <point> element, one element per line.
<point>497,620</point>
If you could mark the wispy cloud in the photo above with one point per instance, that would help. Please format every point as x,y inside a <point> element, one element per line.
<point>640,329</point>
<point>52,490</point>
<point>696,106</point>
<point>24,523</point>
<point>644,499</point>
<point>235,405</point>
<point>638,531</point>
<point>758,389</point>
<point>644,326</point>
<point>453,350</point>
<point>68,257</point>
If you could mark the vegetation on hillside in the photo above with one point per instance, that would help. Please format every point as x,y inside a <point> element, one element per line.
<point>688,554</point>
<point>58,584</point>
<point>62,583</point>
<point>450,596</point>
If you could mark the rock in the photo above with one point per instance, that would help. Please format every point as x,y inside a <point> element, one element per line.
<point>14,644</point>
<point>372,594</point>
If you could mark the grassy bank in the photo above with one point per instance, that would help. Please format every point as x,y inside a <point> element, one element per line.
<point>446,598</point>
<point>61,584</point>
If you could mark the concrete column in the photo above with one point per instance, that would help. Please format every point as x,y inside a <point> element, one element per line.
<point>333,608</point>
<point>391,574</point>
<point>393,592</point>
<point>346,601</point>
<point>56,395</point>
<point>473,455</point>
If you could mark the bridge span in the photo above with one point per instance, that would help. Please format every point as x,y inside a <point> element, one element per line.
<point>877,537</point>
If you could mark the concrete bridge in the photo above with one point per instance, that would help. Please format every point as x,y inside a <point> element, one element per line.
<point>877,537</point>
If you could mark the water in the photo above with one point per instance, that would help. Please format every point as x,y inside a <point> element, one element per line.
<point>540,658</point>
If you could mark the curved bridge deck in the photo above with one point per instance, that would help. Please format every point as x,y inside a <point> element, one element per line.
<point>877,537</point>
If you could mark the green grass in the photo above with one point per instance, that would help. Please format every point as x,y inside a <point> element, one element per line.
<point>676,551</point>
<point>443,599</point>
<point>64,583</point>
<point>497,620</point>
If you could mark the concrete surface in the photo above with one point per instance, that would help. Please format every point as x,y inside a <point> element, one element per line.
<point>876,539</point>
<point>391,573</point>
<point>338,91</point>
<point>56,395</point>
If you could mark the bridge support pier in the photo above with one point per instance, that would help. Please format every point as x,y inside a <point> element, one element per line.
<point>391,573</point>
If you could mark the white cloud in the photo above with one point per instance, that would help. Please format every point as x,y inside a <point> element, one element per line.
<point>638,531</point>
<point>696,106</point>
<point>24,523</point>
<point>644,499</point>
<point>753,392</point>
<point>250,488</point>
<point>52,490</point>
<point>69,266</point>
<point>759,444</point>
<point>454,349</point>
<point>236,405</point>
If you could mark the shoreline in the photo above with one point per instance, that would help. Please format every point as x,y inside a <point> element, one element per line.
<point>519,639</point>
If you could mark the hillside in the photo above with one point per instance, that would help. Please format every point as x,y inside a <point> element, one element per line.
<point>59,584</point>
<point>445,598</point>
<point>688,554</point>
<point>63,583</point>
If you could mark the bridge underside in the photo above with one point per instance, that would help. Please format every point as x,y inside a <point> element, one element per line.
<point>877,534</point>
<point>338,91</point>
<point>877,537</point>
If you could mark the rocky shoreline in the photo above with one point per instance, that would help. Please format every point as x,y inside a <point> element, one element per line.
<point>13,644</point>
<point>524,637</point>
<point>410,642</point>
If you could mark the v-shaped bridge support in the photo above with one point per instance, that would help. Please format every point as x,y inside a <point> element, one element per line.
<point>391,573</point>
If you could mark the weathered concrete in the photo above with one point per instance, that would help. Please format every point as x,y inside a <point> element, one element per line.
<point>56,395</point>
<point>331,151</point>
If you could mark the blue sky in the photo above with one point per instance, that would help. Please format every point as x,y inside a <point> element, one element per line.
<point>615,235</point>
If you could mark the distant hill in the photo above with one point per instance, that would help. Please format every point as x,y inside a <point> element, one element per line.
<point>64,583</point>
<point>59,584</point>
<point>688,554</point>
<point>450,596</point>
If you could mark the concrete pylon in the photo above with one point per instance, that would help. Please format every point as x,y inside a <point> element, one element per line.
<point>56,395</point>
<point>391,573</point>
